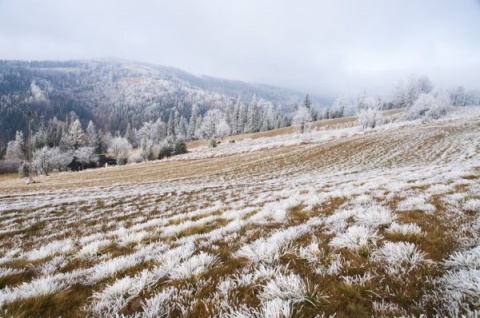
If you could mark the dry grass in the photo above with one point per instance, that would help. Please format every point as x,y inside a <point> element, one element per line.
<point>288,202</point>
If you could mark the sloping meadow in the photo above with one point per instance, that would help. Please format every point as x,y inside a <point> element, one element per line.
<point>381,223</point>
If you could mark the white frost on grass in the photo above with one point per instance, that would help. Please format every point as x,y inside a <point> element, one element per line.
<point>460,285</point>
<point>92,249</point>
<point>131,237</point>
<point>271,249</point>
<point>290,288</point>
<point>277,308</point>
<point>5,271</point>
<point>415,203</point>
<point>373,216</point>
<point>43,286</point>
<point>400,257</point>
<point>108,302</point>
<point>407,229</point>
<point>356,237</point>
<point>194,266</point>
<point>472,205</point>
<point>62,247</point>
<point>370,215</point>
<point>159,305</point>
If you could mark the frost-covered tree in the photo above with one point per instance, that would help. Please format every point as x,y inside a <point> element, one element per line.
<point>253,117</point>
<point>47,159</point>
<point>242,118</point>
<point>16,149</point>
<point>75,137</point>
<point>130,135</point>
<point>214,124</point>
<point>192,125</point>
<point>268,120</point>
<point>120,148</point>
<point>369,113</point>
<point>405,95</point>
<point>146,149</point>
<point>301,118</point>
<point>341,107</point>
<point>61,159</point>
<point>93,140</point>
<point>429,106</point>
<point>85,155</point>
<point>459,97</point>
<point>42,160</point>
<point>368,118</point>
<point>307,103</point>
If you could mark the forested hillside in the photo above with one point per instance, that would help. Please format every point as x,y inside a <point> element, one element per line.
<point>113,94</point>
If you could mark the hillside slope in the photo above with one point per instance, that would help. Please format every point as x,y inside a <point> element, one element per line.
<point>381,222</point>
<point>115,93</point>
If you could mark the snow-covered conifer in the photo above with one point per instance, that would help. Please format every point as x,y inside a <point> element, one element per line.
<point>93,140</point>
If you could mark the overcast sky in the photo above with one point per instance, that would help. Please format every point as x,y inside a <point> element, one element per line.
<point>323,47</point>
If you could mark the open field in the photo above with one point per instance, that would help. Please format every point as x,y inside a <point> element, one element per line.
<point>338,221</point>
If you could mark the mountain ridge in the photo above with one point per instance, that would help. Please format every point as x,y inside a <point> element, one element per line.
<point>114,93</point>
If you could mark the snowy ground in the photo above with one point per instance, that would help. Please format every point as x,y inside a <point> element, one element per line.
<point>382,222</point>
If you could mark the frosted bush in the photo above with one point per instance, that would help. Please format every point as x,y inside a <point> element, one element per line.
<point>400,257</point>
<point>355,238</point>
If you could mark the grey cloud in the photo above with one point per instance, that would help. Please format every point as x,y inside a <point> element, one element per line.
<point>321,47</point>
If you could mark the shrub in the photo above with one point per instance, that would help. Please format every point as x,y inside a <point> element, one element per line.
<point>166,151</point>
<point>24,170</point>
<point>121,161</point>
<point>180,148</point>
<point>212,143</point>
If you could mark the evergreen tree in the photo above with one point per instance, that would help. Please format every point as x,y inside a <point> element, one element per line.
<point>235,118</point>
<point>307,102</point>
<point>192,125</point>
<point>17,149</point>
<point>129,135</point>
<point>171,124</point>
<point>242,118</point>
<point>93,139</point>
<point>252,121</point>
<point>76,137</point>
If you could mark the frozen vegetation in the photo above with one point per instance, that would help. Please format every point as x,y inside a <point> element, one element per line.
<point>381,222</point>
